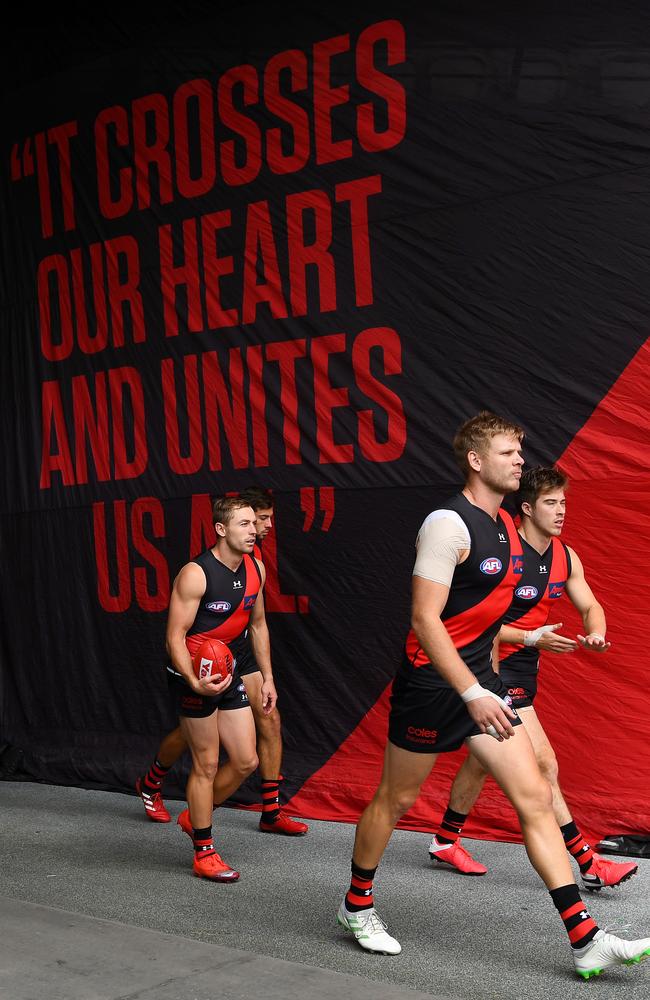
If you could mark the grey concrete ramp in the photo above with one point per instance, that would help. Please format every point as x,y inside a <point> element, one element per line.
<point>50,954</point>
<point>116,913</point>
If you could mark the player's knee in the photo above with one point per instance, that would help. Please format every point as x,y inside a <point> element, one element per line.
<point>247,764</point>
<point>397,801</point>
<point>548,767</point>
<point>268,726</point>
<point>537,799</point>
<point>206,768</point>
<point>472,770</point>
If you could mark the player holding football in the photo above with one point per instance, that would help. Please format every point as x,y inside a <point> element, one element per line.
<point>267,726</point>
<point>218,595</point>
<point>550,569</point>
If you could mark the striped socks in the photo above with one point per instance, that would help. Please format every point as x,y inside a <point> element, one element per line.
<point>270,800</point>
<point>577,846</point>
<point>359,895</point>
<point>579,924</point>
<point>153,779</point>
<point>450,827</point>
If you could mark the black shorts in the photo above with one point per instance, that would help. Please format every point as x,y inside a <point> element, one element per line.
<point>522,687</point>
<point>246,662</point>
<point>186,702</point>
<point>431,719</point>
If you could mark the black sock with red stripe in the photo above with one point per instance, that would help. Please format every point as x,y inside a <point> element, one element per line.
<point>153,779</point>
<point>203,845</point>
<point>577,846</point>
<point>450,827</point>
<point>580,925</point>
<point>359,895</point>
<point>270,799</point>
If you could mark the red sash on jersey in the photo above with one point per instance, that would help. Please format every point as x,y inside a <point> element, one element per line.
<point>473,622</point>
<point>237,622</point>
<point>538,615</point>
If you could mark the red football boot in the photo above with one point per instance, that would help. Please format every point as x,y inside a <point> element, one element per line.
<point>211,866</point>
<point>284,825</point>
<point>605,874</point>
<point>153,804</point>
<point>456,857</point>
<point>185,823</point>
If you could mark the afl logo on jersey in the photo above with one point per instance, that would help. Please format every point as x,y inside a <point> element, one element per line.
<point>219,606</point>
<point>526,593</point>
<point>491,566</point>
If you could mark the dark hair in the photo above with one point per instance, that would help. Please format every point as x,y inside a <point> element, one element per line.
<point>534,482</point>
<point>257,497</point>
<point>223,508</point>
<point>476,434</point>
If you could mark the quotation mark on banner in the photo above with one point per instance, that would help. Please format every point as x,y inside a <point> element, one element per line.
<point>34,159</point>
<point>22,162</point>
<point>326,505</point>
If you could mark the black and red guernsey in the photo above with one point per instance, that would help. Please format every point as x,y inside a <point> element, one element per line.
<point>480,593</point>
<point>226,606</point>
<point>542,583</point>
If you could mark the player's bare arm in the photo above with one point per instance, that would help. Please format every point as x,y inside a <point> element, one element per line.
<point>188,589</point>
<point>259,637</point>
<point>583,599</point>
<point>429,600</point>
<point>544,638</point>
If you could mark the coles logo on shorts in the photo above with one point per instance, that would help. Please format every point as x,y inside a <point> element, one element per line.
<point>491,566</point>
<point>417,734</point>
<point>526,593</point>
<point>219,606</point>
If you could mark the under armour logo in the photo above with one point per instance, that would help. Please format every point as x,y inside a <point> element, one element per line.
<point>237,585</point>
<point>584,915</point>
<point>502,537</point>
<point>543,569</point>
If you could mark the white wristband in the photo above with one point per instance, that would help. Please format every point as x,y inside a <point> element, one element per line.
<point>596,635</point>
<point>478,691</point>
<point>473,692</point>
<point>530,638</point>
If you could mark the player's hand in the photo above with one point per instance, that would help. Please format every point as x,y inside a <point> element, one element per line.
<point>209,687</point>
<point>490,713</point>
<point>594,642</point>
<point>547,639</point>
<point>269,697</point>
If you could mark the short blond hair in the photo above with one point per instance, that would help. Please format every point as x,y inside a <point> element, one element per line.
<point>477,432</point>
<point>223,508</point>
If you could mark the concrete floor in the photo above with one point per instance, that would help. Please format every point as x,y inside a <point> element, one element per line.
<point>97,903</point>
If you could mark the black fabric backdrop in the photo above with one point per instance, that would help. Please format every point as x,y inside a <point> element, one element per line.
<point>479,197</point>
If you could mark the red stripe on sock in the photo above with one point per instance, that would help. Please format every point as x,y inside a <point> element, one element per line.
<point>571,912</point>
<point>582,929</point>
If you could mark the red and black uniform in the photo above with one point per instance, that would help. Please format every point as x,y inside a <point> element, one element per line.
<point>223,613</point>
<point>542,583</point>
<point>427,715</point>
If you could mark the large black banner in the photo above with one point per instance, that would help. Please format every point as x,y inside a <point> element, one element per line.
<point>298,250</point>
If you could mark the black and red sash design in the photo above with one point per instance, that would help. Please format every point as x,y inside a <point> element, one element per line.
<point>226,606</point>
<point>543,582</point>
<point>482,586</point>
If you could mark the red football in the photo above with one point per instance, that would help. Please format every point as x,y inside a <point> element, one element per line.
<point>212,658</point>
